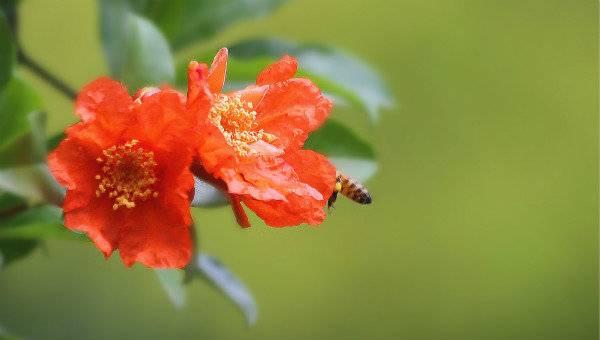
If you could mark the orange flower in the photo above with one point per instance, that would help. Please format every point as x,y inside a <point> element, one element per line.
<point>126,171</point>
<point>251,141</point>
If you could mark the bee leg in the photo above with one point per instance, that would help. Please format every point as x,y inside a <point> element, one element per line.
<point>332,200</point>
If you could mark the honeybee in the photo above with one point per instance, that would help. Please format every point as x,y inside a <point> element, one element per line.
<point>349,188</point>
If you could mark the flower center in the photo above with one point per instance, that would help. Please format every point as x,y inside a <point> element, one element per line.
<point>236,120</point>
<point>127,174</point>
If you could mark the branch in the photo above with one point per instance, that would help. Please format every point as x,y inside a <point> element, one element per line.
<point>44,74</point>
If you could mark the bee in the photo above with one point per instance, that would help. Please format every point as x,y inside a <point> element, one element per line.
<point>349,188</point>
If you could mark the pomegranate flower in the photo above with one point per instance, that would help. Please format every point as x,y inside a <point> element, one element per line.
<point>251,141</point>
<point>126,170</point>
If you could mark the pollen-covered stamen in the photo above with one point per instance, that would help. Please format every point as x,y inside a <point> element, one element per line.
<point>127,174</point>
<point>236,119</point>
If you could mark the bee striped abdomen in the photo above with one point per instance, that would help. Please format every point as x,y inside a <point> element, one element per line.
<point>354,190</point>
<point>351,189</point>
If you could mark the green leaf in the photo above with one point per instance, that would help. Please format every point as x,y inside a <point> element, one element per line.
<point>33,183</point>
<point>23,146</point>
<point>172,282</point>
<point>336,139</point>
<point>219,276</point>
<point>53,141</point>
<point>335,71</point>
<point>21,125</point>
<point>7,51</point>
<point>9,7</point>
<point>137,52</point>
<point>185,21</point>
<point>22,232</point>
<point>350,154</point>
<point>13,250</point>
<point>10,203</point>
<point>38,223</point>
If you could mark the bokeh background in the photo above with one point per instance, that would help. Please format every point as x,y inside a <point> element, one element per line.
<point>485,216</point>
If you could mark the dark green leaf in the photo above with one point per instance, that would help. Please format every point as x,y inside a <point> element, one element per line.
<point>7,51</point>
<point>12,250</point>
<point>334,71</point>
<point>185,21</point>
<point>21,125</point>
<point>41,222</point>
<point>8,6</point>
<point>137,52</point>
<point>53,141</point>
<point>345,149</point>
<point>335,139</point>
<point>172,282</point>
<point>218,275</point>
<point>10,203</point>
<point>22,231</point>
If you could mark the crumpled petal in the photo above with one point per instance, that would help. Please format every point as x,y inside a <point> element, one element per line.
<point>266,178</point>
<point>283,69</point>
<point>199,97</point>
<point>312,169</point>
<point>72,166</point>
<point>156,237</point>
<point>218,70</point>
<point>291,110</point>
<point>103,99</point>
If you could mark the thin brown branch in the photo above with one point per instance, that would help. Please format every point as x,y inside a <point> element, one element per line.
<point>46,75</point>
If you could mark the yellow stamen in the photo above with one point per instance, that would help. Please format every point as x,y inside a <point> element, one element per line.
<point>237,122</point>
<point>127,174</point>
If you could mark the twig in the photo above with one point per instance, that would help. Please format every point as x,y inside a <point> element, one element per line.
<point>50,78</point>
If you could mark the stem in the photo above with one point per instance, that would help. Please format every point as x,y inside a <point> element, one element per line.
<point>45,75</point>
<point>238,210</point>
<point>13,19</point>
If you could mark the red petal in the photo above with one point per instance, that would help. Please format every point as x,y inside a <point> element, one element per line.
<point>176,182</point>
<point>266,178</point>
<point>159,117</point>
<point>155,236</point>
<point>295,211</point>
<point>282,70</point>
<point>74,167</point>
<point>213,150</point>
<point>218,69</point>
<point>103,99</point>
<point>199,97</point>
<point>312,169</point>
<point>251,94</point>
<point>315,170</point>
<point>292,109</point>
<point>99,221</point>
<point>144,92</point>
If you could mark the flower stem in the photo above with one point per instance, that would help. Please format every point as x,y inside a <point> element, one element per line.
<point>238,210</point>
<point>46,75</point>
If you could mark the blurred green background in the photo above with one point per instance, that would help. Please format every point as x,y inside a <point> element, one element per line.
<point>485,216</point>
